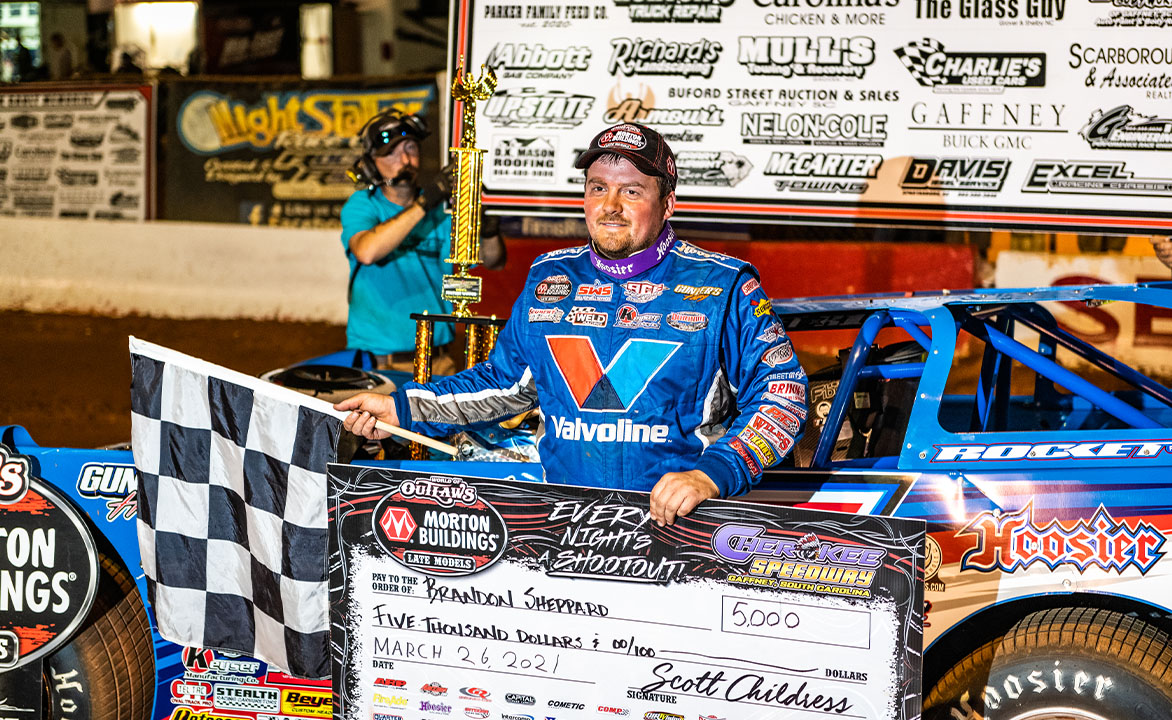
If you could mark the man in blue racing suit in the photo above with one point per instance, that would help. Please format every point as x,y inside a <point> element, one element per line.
<point>656,365</point>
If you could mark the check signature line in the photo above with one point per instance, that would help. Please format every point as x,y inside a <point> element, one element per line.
<point>768,705</point>
<point>782,668</point>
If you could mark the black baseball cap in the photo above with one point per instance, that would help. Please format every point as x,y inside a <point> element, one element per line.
<point>645,148</point>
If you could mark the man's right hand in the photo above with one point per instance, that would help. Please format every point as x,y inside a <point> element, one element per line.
<point>366,408</point>
<point>438,189</point>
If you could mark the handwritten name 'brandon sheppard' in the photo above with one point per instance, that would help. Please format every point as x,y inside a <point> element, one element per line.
<point>749,687</point>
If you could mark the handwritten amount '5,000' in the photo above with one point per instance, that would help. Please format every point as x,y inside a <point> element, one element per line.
<point>763,618</point>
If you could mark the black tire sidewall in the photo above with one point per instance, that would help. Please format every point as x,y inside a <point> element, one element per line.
<point>68,678</point>
<point>1047,680</point>
<point>107,669</point>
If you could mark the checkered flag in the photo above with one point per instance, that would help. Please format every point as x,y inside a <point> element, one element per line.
<point>914,56</point>
<point>232,508</point>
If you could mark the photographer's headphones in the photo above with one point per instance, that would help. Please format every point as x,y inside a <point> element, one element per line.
<point>379,136</point>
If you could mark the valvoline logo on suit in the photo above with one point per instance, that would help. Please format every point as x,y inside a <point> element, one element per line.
<point>619,385</point>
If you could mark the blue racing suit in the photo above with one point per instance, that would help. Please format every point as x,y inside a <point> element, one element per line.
<point>682,366</point>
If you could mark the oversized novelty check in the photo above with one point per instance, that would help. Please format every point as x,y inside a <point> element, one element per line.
<point>461,597</point>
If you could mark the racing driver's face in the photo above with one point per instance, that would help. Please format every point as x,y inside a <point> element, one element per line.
<point>624,212</point>
<point>400,165</point>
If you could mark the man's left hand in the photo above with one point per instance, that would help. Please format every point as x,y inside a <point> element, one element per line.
<point>678,493</point>
<point>437,189</point>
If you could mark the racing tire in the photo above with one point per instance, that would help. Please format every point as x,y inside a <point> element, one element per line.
<point>107,671</point>
<point>1062,664</point>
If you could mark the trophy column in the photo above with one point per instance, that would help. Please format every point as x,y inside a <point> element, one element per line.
<point>461,288</point>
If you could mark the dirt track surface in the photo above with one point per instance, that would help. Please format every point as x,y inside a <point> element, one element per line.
<point>66,378</point>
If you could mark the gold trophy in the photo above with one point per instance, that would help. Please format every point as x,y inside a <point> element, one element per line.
<point>462,289</point>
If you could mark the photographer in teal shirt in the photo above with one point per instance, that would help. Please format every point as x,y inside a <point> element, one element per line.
<point>397,235</point>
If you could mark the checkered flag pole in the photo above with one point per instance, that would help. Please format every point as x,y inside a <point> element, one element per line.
<point>232,508</point>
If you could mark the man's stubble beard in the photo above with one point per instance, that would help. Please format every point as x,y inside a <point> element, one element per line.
<point>631,250</point>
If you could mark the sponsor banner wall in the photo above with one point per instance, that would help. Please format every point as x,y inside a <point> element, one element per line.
<point>1138,335</point>
<point>959,113</point>
<point>476,598</point>
<point>273,153</point>
<point>82,152</point>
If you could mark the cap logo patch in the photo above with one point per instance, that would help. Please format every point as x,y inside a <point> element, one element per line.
<point>623,136</point>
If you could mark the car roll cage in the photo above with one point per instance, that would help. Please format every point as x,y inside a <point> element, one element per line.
<point>989,315</point>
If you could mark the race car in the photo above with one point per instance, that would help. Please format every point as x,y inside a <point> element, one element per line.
<point>1041,464</point>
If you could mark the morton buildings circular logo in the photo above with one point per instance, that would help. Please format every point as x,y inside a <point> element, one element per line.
<point>438,525</point>
<point>48,565</point>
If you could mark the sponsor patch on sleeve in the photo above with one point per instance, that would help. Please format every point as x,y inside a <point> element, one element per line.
<point>788,422</point>
<point>779,354</point>
<point>788,389</point>
<point>750,461</point>
<point>799,410</point>
<point>773,334</point>
<point>776,436</point>
<point>758,445</point>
